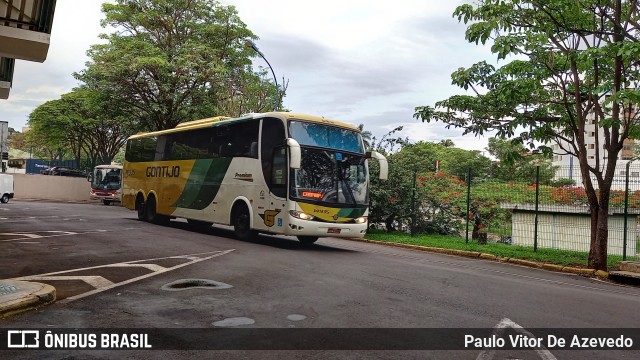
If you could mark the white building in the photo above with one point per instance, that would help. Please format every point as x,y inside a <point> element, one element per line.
<point>569,166</point>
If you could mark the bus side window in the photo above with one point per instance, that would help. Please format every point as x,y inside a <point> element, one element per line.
<point>161,148</point>
<point>141,149</point>
<point>279,172</point>
<point>253,150</point>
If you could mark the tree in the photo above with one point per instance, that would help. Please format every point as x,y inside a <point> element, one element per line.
<point>170,61</point>
<point>55,130</point>
<point>388,142</point>
<point>87,123</point>
<point>17,140</point>
<point>366,136</point>
<point>391,200</point>
<point>575,62</point>
<point>517,164</point>
<point>46,144</point>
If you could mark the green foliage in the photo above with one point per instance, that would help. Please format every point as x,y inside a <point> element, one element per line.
<point>570,62</point>
<point>83,124</point>
<point>171,61</point>
<point>516,164</point>
<point>563,182</point>
<point>17,140</point>
<point>436,209</point>
<point>551,256</point>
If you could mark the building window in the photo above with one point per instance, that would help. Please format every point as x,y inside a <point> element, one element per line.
<point>635,174</point>
<point>592,133</point>
<point>623,172</point>
<point>591,146</point>
<point>591,157</point>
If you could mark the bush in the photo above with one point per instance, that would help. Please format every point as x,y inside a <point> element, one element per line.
<point>563,182</point>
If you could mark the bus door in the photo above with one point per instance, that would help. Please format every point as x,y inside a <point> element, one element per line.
<point>273,154</point>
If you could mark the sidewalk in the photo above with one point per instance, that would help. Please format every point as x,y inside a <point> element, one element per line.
<point>20,296</point>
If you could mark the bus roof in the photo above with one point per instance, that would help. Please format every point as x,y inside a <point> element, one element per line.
<point>111,166</point>
<point>214,121</point>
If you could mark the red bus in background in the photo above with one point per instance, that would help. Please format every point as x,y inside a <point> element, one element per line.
<point>106,181</point>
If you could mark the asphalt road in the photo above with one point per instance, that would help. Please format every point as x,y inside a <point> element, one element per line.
<point>109,270</point>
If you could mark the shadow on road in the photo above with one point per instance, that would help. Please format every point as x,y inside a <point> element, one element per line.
<point>262,239</point>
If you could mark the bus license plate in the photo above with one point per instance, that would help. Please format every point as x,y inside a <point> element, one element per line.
<point>333,231</point>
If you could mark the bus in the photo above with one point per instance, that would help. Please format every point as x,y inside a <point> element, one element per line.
<point>275,173</point>
<point>106,183</point>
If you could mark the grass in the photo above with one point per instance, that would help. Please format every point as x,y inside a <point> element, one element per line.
<point>551,256</point>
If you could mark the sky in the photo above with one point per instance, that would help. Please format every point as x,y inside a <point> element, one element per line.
<point>358,61</point>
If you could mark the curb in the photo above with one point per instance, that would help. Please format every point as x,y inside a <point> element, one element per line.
<point>61,201</point>
<point>29,295</point>
<point>474,254</point>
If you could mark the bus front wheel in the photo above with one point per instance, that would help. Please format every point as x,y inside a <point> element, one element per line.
<point>307,240</point>
<point>106,202</point>
<point>241,221</point>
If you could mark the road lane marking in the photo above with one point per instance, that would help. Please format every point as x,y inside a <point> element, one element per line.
<point>499,330</point>
<point>101,284</point>
<point>25,236</point>
<point>56,233</point>
<point>97,282</point>
<point>152,267</point>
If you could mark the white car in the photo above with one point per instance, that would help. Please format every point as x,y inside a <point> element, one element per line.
<point>6,188</point>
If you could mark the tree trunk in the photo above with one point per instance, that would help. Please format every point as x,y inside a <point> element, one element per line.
<point>598,250</point>
<point>389,223</point>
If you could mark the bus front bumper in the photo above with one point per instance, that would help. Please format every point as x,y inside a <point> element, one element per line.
<point>104,196</point>
<point>298,227</point>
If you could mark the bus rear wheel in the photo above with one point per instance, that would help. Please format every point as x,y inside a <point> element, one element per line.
<point>241,221</point>
<point>142,209</point>
<point>152,212</point>
<point>5,198</point>
<point>307,240</point>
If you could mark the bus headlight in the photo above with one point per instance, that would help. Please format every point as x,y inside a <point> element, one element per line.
<point>360,220</point>
<point>301,215</point>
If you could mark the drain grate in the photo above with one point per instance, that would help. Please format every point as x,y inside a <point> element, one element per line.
<point>185,284</point>
<point>7,289</point>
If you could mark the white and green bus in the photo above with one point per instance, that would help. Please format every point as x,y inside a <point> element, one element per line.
<point>277,173</point>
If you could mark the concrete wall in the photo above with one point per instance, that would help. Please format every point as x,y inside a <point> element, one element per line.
<point>49,187</point>
<point>565,231</point>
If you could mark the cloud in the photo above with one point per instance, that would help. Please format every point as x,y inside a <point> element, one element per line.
<point>358,61</point>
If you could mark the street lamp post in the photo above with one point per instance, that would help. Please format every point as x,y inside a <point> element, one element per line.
<point>250,44</point>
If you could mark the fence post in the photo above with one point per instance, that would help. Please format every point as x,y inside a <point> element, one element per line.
<point>535,224</point>
<point>468,203</point>
<point>626,211</point>
<point>413,202</point>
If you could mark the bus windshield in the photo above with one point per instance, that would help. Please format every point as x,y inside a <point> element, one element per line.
<point>331,177</point>
<point>106,179</point>
<point>326,136</point>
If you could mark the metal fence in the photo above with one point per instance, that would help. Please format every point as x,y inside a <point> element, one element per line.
<point>547,208</point>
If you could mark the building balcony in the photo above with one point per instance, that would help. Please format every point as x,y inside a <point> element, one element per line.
<point>25,28</point>
<point>6,76</point>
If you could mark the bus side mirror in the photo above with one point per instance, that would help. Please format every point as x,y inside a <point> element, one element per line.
<point>295,154</point>
<point>384,165</point>
<point>90,178</point>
